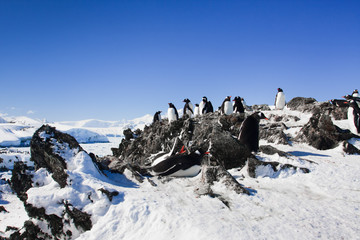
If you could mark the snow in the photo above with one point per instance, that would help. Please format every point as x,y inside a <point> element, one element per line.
<point>322,204</point>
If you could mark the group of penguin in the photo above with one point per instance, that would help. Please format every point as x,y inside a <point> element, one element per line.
<point>183,164</point>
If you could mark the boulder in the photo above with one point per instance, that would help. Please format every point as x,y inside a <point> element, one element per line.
<point>321,133</point>
<point>46,147</point>
<point>300,103</point>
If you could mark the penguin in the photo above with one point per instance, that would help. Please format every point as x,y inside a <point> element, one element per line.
<point>179,165</point>
<point>157,117</point>
<point>339,102</point>
<point>249,131</point>
<point>202,105</point>
<point>353,114</point>
<point>208,107</point>
<point>188,108</point>
<point>238,107</point>
<point>196,110</point>
<point>355,93</point>
<point>280,99</point>
<point>244,103</point>
<point>226,106</point>
<point>172,113</point>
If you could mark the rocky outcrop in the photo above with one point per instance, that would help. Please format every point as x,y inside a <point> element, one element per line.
<point>46,146</point>
<point>274,133</point>
<point>212,132</point>
<point>301,103</point>
<point>321,133</point>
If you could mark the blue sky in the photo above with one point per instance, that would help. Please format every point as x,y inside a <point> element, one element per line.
<point>113,60</point>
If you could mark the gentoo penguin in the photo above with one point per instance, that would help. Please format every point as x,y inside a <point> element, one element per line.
<point>339,102</point>
<point>157,117</point>
<point>353,114</point>
<point>249,131</point>
<point>172,113</point>
<point>280,99</point>
<point>208,108</point>
<point>226,106</point>
<point>238,107</point>
<point>202,105</point>
<point>179,165</point>
<point>355,93</point>
<point>196,110</point>
<point>188,108</point>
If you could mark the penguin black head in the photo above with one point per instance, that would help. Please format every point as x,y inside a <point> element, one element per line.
<point>355,91</point>
<point>171,105</point>
<point>196,105</point>
<point>280,90</point>
<point>228,98</point>
<point>186,100</point>
<point>204,99</point>
<point>260,115</point>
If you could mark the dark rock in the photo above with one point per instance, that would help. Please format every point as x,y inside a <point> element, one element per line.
<point>128,134</point>
<point>2,209</point>
<point>109,194</point>
<point>261,107</point>
<point>30,231</point>
<point>254,163</point>
<point>299,103</point>
<point>270,150</point>
<point>21,180</point>
<point>81,219</point>
<point>321,133</point>
<point>350,149</point>
<point>43,147</point>
<point>274,133</point>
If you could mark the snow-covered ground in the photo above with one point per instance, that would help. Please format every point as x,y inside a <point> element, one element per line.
<point>322,204</point>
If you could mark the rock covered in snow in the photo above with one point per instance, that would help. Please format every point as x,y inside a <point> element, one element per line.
<point>321,133</point>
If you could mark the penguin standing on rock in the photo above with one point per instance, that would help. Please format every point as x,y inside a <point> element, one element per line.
<point>188,108</point>
<point>280,99</point>
<point>249,131</point>
<point>196,110</point>
<point>157,117</point>
<point>355,93</point>
<point>238,107</point>
<point>226,106</point>
<point>179,165</point>
<point>172,113</point>
<point>202,105</point>
<point>353,114</point>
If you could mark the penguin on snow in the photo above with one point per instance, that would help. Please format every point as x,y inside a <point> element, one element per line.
<point>249,131</point>
<point>353,114</point>
<point>238,107</point>
<point>172,113</point>
<point>226,106</point>
<point>188,108</point>
<point>196,110</point>
<point>280,99</point>
<point>157,117</point>
<point>179,165</point>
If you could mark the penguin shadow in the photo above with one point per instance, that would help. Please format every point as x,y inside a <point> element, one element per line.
<point>303,154</point>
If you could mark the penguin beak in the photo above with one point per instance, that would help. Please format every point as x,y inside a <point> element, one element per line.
<point>207,153</point>
<point>266,118</point>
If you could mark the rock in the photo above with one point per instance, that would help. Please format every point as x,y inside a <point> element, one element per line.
<point>261,107</point>
<point>109,194</point>
<point>269,169</point>
<point>350,149</point>
<point>270,150</point>
<point>300,103</point>
<point>81,219</point>
<point>321,133</point>
<point>21,180</point>
<point>46,146</point>
<point>274,133</point>
<point>30,231</point>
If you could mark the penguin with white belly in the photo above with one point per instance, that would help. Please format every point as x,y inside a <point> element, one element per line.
<point>249,131</point>
<point>172,113</point>
<point>355,93</point>
<point>202,105</point>
<point>188,108</point>
<point>196,110</point>
<point>179,165</point>
<point>354,117</point>
<point>280,99</point>
<point>226,106</point>
<point>353,114</point>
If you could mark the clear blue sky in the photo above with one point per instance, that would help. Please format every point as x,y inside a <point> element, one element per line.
<point>113,60</point>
